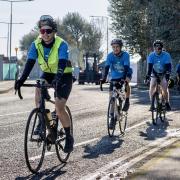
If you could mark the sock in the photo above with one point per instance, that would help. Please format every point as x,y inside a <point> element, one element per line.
<point>67,131</point>
<point>127,99</point>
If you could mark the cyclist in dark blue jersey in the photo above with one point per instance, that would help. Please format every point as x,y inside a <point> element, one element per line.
<point>118,63</point>
<point>51,51</point>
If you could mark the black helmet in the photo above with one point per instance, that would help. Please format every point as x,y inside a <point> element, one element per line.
<point>158,43</point>
<point>47,20</point>
<point>117,41</point>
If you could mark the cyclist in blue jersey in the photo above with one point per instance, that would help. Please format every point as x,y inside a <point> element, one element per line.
<point>118,62</point>
<point>51,51</point>
<point>159,61</point>
<point>178,73</point>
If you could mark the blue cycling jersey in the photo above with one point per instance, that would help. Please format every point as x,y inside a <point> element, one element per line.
<point>178,69</point>
<point>62,52</point>
<point>117,64</point>
<point>159,61</point>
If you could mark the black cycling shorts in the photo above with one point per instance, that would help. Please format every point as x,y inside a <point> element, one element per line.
<point>64,88</point>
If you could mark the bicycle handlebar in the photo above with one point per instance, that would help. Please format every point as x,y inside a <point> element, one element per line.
<point>32,85</point>
<point>114,82</point>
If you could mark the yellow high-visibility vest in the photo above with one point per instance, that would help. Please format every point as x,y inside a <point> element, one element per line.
<point>51,66</point>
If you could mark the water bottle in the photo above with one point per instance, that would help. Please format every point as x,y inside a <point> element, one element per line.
<point>50,121</point>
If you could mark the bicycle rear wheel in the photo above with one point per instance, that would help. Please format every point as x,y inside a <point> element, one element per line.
<point>155,111</point>
<point>61,137</point>
<point>34,145</point>
<point>122,118</point>
<point>111,115</point>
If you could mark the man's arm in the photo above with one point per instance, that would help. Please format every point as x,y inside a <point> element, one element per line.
<point>28,67</point>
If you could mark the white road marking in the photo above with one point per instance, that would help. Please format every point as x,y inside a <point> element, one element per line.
<point>1,115</point>
<point>117,166</point>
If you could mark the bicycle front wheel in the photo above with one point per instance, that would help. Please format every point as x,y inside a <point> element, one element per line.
<point>61,137</point>
<point>155,111</point>
<point>111,116</point>
<point>34,144</point>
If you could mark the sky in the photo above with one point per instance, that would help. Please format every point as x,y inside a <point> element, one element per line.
<point>29,13</point>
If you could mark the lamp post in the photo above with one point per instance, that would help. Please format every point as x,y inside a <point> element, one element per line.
<point>8,34</point>
<point>11,2</point>
<point>107,32</point>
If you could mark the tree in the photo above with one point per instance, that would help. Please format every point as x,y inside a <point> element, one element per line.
<point>74,24</point>
<point>129,22</point>
<point>91,40</point>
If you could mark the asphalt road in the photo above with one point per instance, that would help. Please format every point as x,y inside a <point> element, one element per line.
<point>95,154</point>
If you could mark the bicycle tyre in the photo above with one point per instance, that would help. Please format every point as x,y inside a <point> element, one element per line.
<point>62,156</point>
<point>155,111</point>
<point>111,112</point>
<point>40,142</point>
<point>122,118</point>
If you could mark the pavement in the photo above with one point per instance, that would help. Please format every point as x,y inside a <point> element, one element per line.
<point>164,165</point>
<point>6,86</point>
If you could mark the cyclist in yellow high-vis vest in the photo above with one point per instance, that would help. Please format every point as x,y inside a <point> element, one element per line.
<point>52,54</point>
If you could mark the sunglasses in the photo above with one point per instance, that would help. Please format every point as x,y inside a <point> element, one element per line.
<point>48,31</point>
<point>158,47</point>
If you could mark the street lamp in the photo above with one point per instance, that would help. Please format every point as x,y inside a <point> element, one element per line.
<point>13,1</point>
<point>8,34</point>
<point>107,32</point>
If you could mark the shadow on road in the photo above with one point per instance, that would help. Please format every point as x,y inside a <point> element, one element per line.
<point>105,146</point>
<point>155,131</point>
<point>50,173</point>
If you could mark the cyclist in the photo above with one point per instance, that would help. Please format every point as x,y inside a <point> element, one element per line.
<point>178,73</point>
<point>52,54</point>
<point>159,61</point>
<point>118,62</point>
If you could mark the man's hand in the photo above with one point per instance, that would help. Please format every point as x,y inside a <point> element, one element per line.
<point>147,80</point>
<point>18,84</point>
<point>167,76</point>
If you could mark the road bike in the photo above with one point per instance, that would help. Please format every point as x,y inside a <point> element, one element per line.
<point>36,145</point>
<point>158,102</point>
<point>115,106</point>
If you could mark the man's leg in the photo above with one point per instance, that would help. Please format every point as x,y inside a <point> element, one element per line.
<point>61,95</point>
<point>65,120</point>
<point>164,85</point>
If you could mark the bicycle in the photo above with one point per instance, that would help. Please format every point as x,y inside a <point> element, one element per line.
<point>36,145</point>
<point>115,107</point>
<point>158,102</point>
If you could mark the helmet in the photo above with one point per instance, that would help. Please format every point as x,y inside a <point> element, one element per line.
<point>171,83</point>
<point>47,20</point>
<point>158,42</point>
<point>117,41</point>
